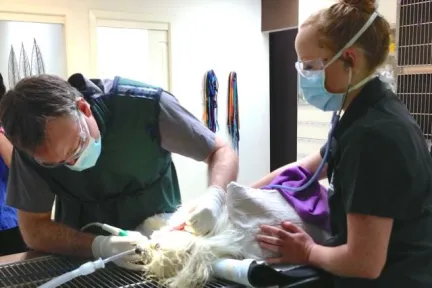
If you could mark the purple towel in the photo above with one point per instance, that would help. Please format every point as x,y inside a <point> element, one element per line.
<point>311,204</point>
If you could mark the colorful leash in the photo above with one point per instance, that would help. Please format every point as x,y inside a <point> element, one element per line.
<point>211,86</point>
<point>233,122</point>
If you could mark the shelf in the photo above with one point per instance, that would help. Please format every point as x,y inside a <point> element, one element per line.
<point>414,69</point>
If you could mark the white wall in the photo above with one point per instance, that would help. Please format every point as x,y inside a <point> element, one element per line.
<point>223,35</point>
<point>388,8</point>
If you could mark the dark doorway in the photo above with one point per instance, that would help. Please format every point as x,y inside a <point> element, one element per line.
<point>283,98</point>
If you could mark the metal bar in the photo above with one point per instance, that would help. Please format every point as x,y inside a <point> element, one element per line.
<point>32,273</point>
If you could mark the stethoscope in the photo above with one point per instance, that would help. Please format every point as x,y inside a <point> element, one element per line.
<point>334,123</point>
<point>335,117</point>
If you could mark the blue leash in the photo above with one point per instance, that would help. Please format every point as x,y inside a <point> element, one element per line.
<point>315,177</point>
<point>210,101</point>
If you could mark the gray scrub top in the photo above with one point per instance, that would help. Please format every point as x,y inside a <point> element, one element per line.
<point>180,131</point>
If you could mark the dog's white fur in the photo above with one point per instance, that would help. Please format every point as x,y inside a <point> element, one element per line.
<point>182,260</point>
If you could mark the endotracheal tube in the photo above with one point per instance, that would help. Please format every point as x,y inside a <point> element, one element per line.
<point>87,268</point>
<point>92,266</point>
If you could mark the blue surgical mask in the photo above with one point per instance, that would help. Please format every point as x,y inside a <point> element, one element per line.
<point>312,82</point>
<point>89,156</point>
<point>313,90</point>
<point>315,93</point>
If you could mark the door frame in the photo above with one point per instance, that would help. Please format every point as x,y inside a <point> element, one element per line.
<point>98,18</point>
<point>283,97</point>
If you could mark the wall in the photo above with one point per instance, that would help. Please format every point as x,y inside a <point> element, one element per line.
<point>223,35</point>
<point>279,14</point>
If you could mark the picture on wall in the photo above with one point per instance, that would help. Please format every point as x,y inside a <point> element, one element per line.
<point>13,74</point>
<point>24,68</point>
<point>37,63</point>
<point>24,64</point>
<point>31,48</point>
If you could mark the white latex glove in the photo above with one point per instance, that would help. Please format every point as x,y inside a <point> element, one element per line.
<point>135,234</point>
<point>106,246</point>
<point>204,214</point>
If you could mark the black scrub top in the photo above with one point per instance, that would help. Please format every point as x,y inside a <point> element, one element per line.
<point>381,166</point>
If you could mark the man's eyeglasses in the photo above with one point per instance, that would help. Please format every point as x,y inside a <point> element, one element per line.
<point>83,134</point>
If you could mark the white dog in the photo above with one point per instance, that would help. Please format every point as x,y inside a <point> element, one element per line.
<point>179,259</point>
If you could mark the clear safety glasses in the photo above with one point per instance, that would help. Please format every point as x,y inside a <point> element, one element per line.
<point>309,68</point>
<point>83,135</point>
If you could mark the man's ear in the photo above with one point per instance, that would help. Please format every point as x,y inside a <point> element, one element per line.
<point>84,107</point>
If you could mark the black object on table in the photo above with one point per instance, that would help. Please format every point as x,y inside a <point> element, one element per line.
<point>288,276</point>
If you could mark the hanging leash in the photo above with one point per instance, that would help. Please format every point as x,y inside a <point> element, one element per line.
<point>211,86</point>
<point>233,122</point>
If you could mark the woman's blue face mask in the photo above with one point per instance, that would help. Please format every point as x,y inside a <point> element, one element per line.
<point>315,93</point>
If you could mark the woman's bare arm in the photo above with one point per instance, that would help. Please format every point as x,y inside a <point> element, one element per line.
<point>309,163</point>
<point>365,253</point>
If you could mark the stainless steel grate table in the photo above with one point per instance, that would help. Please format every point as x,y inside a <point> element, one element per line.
<point>34,272</point>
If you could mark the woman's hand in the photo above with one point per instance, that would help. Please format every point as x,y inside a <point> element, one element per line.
<point>291,241</point>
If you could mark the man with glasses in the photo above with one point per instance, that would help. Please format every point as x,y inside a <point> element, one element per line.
<point>103,151</point>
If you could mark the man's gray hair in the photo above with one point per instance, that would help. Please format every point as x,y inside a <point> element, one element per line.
<point>26,108</point>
